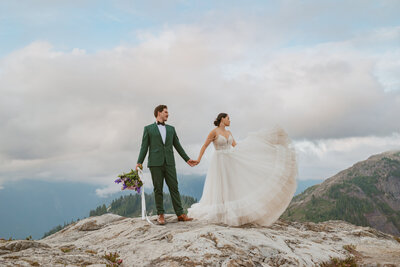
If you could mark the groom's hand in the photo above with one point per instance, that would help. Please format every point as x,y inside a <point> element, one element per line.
<point>191,162</point>
<point>139,166</point>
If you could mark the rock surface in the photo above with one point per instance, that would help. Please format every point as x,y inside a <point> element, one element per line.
<point>200,244</point>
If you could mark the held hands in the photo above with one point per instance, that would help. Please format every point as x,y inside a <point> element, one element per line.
<point>192,162</point>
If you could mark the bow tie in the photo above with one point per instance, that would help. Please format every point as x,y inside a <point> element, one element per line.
<point>162,123</point>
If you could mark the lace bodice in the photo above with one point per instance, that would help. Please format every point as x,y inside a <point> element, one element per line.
<point>221,143</point>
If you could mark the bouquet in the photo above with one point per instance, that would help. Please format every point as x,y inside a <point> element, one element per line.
<point>130,181</point>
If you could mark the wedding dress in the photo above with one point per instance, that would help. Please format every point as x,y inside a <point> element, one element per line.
<point>252,182</point>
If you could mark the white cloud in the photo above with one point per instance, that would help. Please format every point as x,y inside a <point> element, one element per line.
<point>109,190</point>
<point>387,70</point>
<point>320,159</point>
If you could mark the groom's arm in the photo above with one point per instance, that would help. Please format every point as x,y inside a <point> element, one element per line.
<point>144,147</point>
<point>179,148</point>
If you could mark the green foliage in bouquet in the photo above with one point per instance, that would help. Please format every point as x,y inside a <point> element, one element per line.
<point>130,180</point>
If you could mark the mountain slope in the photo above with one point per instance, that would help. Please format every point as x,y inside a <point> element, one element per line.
<point>366,194</point>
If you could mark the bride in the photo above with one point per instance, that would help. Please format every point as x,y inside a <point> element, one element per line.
<point>248,182</point>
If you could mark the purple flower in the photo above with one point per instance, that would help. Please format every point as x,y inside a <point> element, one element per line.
<point>118,180</point>
<point>138,189</point>
<point>124,187</point>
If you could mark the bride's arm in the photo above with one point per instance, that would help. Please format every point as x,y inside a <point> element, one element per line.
<point>211,136</point>
<point>234,142</point>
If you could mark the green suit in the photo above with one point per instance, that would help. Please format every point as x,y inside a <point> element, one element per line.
<point>161,163</point>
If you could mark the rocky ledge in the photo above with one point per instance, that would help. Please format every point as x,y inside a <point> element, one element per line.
<point>108,239</point>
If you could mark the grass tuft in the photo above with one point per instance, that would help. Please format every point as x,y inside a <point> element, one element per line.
<point>113,258</point>
<point>335,262</point>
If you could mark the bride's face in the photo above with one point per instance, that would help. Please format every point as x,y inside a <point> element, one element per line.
<point>226,121</point>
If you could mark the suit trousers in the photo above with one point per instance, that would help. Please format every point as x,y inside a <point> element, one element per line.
<point>158,173</point>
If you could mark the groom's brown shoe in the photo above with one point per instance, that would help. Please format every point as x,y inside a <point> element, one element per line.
<point>161,219</point>
<point>184,217</point>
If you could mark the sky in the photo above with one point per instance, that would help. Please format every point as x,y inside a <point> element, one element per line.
<point>80,79</point>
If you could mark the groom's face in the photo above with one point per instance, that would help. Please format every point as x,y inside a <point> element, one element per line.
<point>164,114</point>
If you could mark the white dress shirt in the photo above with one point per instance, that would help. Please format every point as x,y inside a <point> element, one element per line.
<point>163,131</point>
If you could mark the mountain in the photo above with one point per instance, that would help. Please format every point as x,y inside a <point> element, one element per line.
<point>304,184</point>
<point>366,194</point>
<point>107,239</point>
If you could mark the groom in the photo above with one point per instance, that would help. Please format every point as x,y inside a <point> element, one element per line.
<point>159,138</point>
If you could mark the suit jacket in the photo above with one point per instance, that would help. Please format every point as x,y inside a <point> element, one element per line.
<point>158,151</point>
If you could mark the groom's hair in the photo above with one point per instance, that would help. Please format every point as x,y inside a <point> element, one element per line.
<point>159,108</point>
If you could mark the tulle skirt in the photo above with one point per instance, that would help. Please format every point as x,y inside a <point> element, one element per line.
<point>252,182</point>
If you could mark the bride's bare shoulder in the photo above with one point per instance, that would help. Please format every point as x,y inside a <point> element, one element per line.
<point>212,134</point>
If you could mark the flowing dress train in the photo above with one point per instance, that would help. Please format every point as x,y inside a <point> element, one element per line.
<point>252,182</point>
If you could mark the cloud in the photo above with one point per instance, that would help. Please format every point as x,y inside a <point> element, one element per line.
<point>323,158</point>
<point>107,191</point>
<point>79,116</point>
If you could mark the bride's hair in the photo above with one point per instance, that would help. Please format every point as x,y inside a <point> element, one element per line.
<point>219,118</point>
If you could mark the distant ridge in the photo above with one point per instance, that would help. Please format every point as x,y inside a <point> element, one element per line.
<point>366,194</point>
